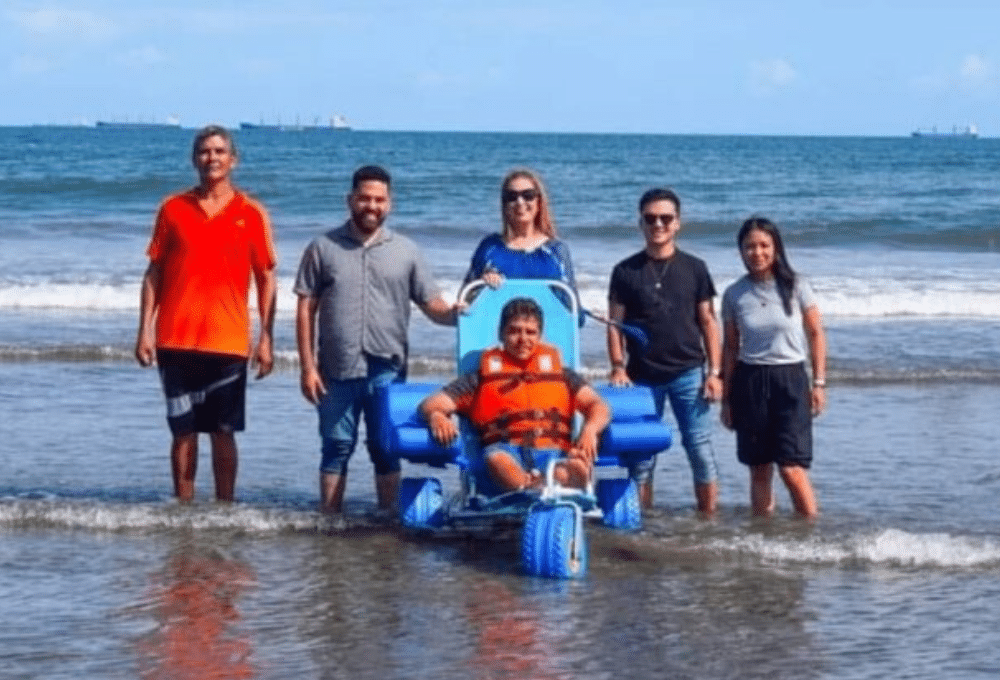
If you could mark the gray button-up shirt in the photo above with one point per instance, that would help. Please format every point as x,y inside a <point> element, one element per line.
<point>364,294</point>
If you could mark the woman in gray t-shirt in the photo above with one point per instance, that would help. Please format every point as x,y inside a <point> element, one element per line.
<point>772,326</point>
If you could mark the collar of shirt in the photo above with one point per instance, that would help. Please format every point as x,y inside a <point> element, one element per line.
<point>344,233</point>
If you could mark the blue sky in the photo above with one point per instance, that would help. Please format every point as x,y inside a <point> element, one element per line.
<point>708,66</point>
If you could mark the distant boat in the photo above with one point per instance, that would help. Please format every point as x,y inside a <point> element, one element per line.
<point>968,132</point>
<point>336,122</point>
<point>172,123</point>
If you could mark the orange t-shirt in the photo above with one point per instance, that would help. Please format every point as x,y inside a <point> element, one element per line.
<point>205,272</point>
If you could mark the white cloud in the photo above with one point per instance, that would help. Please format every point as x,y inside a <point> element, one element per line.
<point>64,22</point>
<point>770,75</point>
<point>974,74</point>
<point>977,73</point>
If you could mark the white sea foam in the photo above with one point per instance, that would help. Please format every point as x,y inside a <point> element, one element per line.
<point>838,298</point>
<point>101,296</point>
<point>146,517</point>
<point>885,548</point>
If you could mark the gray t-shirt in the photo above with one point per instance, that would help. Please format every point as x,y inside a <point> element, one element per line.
<point>767,334</point>
<point>364,294</point>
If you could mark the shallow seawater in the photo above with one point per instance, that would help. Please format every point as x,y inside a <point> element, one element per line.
<point>103,575</point>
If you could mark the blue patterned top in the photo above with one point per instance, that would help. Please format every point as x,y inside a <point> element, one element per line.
<point>551,260</point>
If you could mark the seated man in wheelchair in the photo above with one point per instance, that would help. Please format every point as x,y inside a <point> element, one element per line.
<point>522,403</point>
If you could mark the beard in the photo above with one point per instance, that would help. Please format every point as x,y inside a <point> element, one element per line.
<point>366,221</point>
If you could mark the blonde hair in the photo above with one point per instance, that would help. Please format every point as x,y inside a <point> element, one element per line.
<point>543,219</point>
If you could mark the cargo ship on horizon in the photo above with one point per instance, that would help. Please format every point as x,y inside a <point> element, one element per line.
<point>968,132</point>
<point>172,123</point>
<point>336,122</point>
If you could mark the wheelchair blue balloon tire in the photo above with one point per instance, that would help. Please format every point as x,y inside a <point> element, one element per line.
<point>549,543</point>
<point>421,503</point>
<point>619,503</point>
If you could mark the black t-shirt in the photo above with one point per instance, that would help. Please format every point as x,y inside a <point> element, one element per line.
<point>661,297</point>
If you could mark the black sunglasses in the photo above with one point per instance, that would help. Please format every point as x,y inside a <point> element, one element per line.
<point>511,196</point>
<point>653,219</point>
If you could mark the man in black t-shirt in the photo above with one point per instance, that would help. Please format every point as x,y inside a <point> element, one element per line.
<point>668,294</point>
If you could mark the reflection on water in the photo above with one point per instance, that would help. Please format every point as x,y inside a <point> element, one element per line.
<point>509,637</point>
<point>193,601</point>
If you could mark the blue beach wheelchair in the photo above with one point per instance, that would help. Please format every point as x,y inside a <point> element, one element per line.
<point>553,541</point>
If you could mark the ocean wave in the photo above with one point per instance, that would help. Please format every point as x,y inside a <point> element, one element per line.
<point>890,548</point>
<point>886,548</point>
<point>847,298</point>
<point>594,368</point>
<point>65,353</point>
<point>54,513</point>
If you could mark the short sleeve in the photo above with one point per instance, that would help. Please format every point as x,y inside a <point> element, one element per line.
<point>804,293</point>
<point>158,241</point>
<point>615,286</point>
<point>462,390</point>
<point>262,255</point>
<point>477,265</point>
<point>308,280</point>
<point>423,287</point>
<point>706,287</point>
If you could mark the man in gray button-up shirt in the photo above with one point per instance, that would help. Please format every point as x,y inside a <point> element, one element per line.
<point>355,284</point>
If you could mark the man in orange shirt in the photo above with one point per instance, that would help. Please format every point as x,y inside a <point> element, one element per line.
<point>193,311</point>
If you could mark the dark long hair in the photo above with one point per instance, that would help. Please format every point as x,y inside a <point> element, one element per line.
<point>784,275</point>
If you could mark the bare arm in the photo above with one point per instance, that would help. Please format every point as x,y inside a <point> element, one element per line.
<point>440,312</point>
<point>145,342</point>
<point>813,324</point>
<point>616,346</point>
<point>596,416</point>
<point>267,293</point>
<point>713,349</point>
<point>305,336</point>
<point>730,352</point>
<point>437,410</point>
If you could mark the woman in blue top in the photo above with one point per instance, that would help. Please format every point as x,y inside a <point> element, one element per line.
<point>528,247</point>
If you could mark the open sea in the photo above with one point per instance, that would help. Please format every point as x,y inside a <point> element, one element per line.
<point>102,575</point>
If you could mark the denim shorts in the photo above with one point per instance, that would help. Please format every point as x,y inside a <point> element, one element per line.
<point>693,414</point>
<point>340,411</point>
<point>529,459</point>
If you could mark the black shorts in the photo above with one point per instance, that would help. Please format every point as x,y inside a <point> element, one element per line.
<point>205,392</point>
<point>771,408</point>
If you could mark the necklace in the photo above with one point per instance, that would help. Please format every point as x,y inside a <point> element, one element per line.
<point>659,273</point>
<point>760,290</point>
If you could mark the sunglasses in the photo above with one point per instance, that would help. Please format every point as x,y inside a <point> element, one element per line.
<point>511,196</point>
<point>652,219</point>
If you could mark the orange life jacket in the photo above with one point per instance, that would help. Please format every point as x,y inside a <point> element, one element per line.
<point>528,405</point>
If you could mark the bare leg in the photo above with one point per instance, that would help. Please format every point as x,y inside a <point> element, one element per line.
<point>331,492</point>
<point>707,496</point>
<point>225,459</point>
<point>796,478</point>
<point>507,472</point>
<point>761,491</point>
<point>184,465</point>
<point>573,472</point>
<point>387,490</point>
<point>646,494</point>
